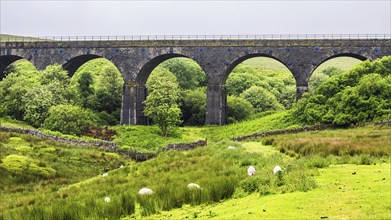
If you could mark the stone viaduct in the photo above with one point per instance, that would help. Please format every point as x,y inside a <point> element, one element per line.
<point>136,60</point>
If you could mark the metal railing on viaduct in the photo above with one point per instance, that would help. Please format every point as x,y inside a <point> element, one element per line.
<point>196,37</point>
<point>137,56</point>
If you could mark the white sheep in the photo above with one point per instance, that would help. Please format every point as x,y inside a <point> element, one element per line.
<point>105,174</point>
<point>193,186</point>
<point>231,148</point>
<point>122,166</point>
<point>251,171</point>
<point>276,170</point>
<point>107,199</point>
<point>145,191</point>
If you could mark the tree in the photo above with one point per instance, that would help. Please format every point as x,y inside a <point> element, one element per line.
<point>14,86</point>
<point>238,109</point>
<point>188,73</point>
<point>261,99</point>
<point>356,96</point>
<point>69,119</point>
<point>193,106</point>
<point>109,90</point>
<point>38,101</point>
<point>86,91</point>
<point>238,82</point>
<point>161,104</point>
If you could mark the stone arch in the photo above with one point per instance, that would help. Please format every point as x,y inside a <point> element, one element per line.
<point>352,55</point>
<point>75,63</point>
<point>137,91</point>
<point>239,60</point>
<point>148,67</point>
<point>5,61</point>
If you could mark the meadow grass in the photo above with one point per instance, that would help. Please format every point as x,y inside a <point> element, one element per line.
<point>31,167</point>
<point>148,138</point>
<point>14,38</point>
<point>221,173</point>
<point>339,195</point>
<point>370,140</point>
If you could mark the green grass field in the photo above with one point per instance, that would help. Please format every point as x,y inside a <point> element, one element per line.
<point>339,195</point>
<point>303,191</point>
<point>14,38</point>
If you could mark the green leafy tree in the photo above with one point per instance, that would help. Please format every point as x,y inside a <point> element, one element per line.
<point>238,82</point>
<point>109,90</point>
<point>261,99</point>
<point>238,109</point>
<point>38,101</point>
<point>86,91</point>
<point>69,119</point>
<point>14,86</point>
<point>161,104</point>
<point>188,73</point>
<point>193,106</point>
<point>359,95</point>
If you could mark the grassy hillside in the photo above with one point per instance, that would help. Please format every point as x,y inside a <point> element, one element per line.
<point>339,195</point>
<point>7,37</point>
<point>300,187</point>
<point>32,168</point>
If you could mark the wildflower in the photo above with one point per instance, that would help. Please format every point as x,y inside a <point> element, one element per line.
<point>107,199</point>
<point>105,174</point>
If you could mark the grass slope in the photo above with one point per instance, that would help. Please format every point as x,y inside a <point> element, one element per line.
<point>170,172</point>
<point>32,168</point>
<point>340,195</point>
<point>15,38</point>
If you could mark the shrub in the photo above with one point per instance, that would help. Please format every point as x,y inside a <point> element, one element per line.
<point>26,168</point>
<point>70,119</point>
<point>238,109</point>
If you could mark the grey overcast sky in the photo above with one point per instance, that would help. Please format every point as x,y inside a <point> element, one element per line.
<point>161,17</point>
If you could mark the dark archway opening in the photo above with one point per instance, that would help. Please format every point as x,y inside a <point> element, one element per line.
<point>75,63</point>
<point>6,61</point>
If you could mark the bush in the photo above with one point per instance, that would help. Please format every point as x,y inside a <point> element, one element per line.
<point>26,168</point>
<point>238,109</point>
<point>261,99</point>
<point>357,96</point>
<point>70,119</point>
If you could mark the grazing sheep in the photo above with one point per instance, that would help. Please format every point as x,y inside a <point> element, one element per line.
<point>122,166</point>
<point>231,148</point>
<point>193,186</point>
<point>105,174</point>
<point>107,199</point>
<point>145,191</point>
<point>251,171</point>
<point>276,170</point>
